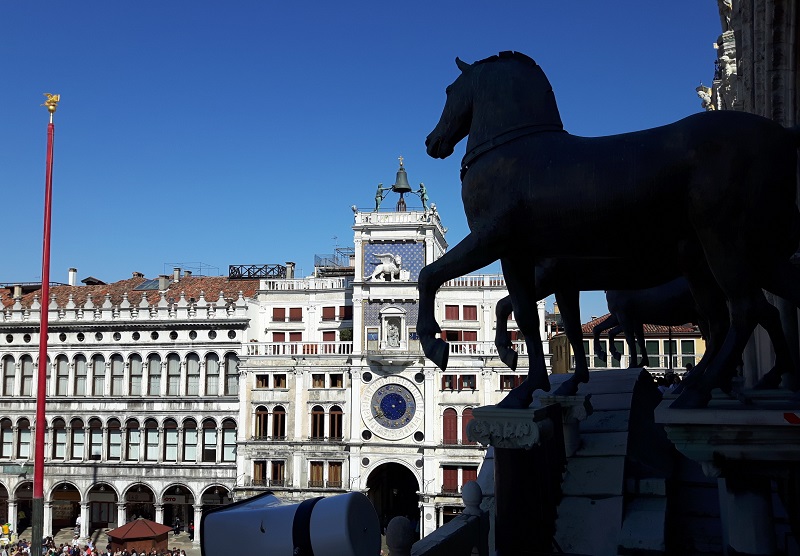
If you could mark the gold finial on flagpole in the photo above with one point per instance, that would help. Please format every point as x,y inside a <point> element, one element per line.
<point>51,103</point>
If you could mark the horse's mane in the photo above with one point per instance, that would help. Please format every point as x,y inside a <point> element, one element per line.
<point>506,55</point>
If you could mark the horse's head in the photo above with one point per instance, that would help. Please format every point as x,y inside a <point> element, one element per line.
<point>491,97</point>
<point>456,117</point>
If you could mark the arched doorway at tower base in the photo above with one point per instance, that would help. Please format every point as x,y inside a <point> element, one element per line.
<point>393,491</point>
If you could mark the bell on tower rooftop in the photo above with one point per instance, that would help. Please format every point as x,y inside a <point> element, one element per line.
<point>401,181</point>
<point>401,186</point>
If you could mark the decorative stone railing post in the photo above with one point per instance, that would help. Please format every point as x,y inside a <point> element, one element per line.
<point>528,462</point>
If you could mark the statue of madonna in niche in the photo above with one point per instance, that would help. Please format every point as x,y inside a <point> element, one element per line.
<point>393,332</point>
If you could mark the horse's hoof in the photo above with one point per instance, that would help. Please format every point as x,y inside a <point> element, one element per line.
<point>770,381</point>
<point>518,398</point>
<point>438,351</point>
<point>509,358</point>
<point>567,388</point>
<point>691,399</point>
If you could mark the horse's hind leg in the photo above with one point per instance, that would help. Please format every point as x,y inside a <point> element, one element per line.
<point>745,310</point>
<point>522,288</point>
<point>502,341</point>
<point>784,282</point>
<point>569,304</point>
<point>610,322</point>
<point>644,361</point>
<point>470,254</point>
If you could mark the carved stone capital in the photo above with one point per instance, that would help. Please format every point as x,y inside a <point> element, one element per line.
<point>508,428</point>
<point>573,408</point>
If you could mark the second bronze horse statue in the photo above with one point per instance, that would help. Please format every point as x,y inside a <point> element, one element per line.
<point>722,183</point>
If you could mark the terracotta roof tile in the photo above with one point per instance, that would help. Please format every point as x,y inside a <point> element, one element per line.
<point>191,286</point>
<point>649,329</point>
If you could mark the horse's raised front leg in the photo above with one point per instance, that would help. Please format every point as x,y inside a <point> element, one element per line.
<point>469,255</point>
<point>502,341</point>
<point>569,304</point>
<point>521,285</point>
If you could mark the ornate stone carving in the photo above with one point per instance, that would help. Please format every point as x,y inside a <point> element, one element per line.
<point>504,428</point>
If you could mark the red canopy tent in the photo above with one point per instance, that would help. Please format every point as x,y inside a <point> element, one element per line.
<point>141,534</point>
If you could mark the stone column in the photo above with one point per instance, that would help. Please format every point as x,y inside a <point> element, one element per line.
<point>47,526</point>
<point>84,520</point>
<point>428,518</point>
<point>159,513</point>
<point>12,515</point>
<point>528,448</point>
<point>198,514</point>
<point>121,517</point>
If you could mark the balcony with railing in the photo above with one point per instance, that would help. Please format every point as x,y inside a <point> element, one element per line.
<point>278,349</point>
<point>476,281</point>
<point>300,284</point>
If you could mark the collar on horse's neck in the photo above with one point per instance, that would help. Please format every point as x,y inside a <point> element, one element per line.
<point>503,138</point>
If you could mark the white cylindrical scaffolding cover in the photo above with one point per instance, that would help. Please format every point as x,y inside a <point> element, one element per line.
<point>345,525</point>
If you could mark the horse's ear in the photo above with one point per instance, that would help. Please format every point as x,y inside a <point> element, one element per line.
<point>463,66</point>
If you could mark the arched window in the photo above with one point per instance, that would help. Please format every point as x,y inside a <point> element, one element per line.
<point>117,375</point>
<point>209,440</point>
<point>80,375</point>
<point>229,440</point>
<point>173,374</point>
<point>278,423</point>
<point>231,375</point>
<point>335,432</point>
<point>114,439</point>
<point>150,440</point>
<point>260,428</point>
<point>170,440</point>
<point>189,440</point>
<point>26,388</point>
<point>212,374</point>
<point>6,438</point>
<point>192,375</point>
<point>23,439</point>
<point>450,426</point>
<point>59,439</point>
<point>135,380</point>
<point>96,438</point>
<point>132,440</point>
<point>153,375</point>
<point>317,423</point>
<point>8,376</point>
<point>98,375</point>
<point>78,435</point>
<point>466,417</point>
<point>62,375</point>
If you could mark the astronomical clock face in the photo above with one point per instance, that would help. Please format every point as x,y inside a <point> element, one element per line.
<point>389,407</point>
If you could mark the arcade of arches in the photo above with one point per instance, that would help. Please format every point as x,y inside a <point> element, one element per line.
<point>101,506</point>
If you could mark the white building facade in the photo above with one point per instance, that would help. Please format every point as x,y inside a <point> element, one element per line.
<point>170,396</point>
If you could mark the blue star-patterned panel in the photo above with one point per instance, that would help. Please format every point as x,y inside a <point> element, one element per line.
<point>372,312</point>
<point>412,256</point>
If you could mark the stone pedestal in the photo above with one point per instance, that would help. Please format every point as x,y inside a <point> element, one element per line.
<point>528,459</point>
<point>747,446</point>
<point>574,409</point>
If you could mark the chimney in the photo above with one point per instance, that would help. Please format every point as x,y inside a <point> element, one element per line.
<point>138,275</point>
<point>72,274</point>
<point>17,292</point>
<point>187,273</point>
<point>163,282</point>
<point>289,270</point>
<point>176,274</point>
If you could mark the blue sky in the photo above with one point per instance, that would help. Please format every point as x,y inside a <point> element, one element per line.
<point>242,132</point>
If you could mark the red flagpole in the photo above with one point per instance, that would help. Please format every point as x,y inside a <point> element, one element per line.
<point>41,382</point>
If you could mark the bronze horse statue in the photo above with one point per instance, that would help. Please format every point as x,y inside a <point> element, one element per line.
<point>722,183</point>
<point>669,304</point>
